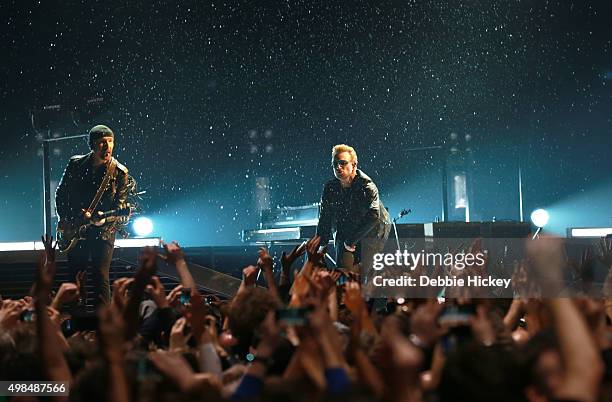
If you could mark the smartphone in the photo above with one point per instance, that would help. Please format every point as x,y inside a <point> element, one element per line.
<point>27,315</point>
<point>456,316</point>
<point>185,297</point>
<point>145,369</point>
<point>293,316</point>
<point>343,279</point>
<point>84,323</point>
<point>67,328</point>
<point>455,338</point>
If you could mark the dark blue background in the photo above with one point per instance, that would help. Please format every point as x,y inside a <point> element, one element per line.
<point>206,96</point>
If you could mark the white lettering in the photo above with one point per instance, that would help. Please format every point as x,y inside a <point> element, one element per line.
<point>377,263</point>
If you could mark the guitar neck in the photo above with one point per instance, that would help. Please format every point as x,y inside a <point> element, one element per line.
<point>116,213</point>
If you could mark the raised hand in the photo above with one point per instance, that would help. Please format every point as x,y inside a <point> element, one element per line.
<point>265,260</point>
<point>326,281</point>
<point>174,252</point>
<point>354,301</point>
<point>174,255</point>
<point>266,263</point>
<point>120,287</point>
<point>475,249</point>
<point>148,263</point>
<point>178,340</point>
<point>482,327</point>
<point>176,368</point>
<point>335,275</point>
<point>55,317</point>
<point>605,252</point>
<point>287,260</point>
<point>51,354</point>
<point>520,279</point>
<point>315,255</point>
<point>249,275</point>
<point>547,259</point>
<point>157,292</point>
<point>9,313</point>
<point>173,296</point>
<point>146,269</point>
<point>112,336</point>
<point>424,322</point>
<point>45,274</point>
<point>584,269</point>
<point>50,248</point>
<point>67,292</point>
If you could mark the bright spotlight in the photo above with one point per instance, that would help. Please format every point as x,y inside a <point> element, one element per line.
<point>143,226</point>
<point>539,217</point>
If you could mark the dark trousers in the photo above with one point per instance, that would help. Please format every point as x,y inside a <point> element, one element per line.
<point>364,250</point>
<point>93,256</point>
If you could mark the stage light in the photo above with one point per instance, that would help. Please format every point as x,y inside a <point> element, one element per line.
<point>138,243</point>
<point>143,226</point>
<point>539,217</point>
<point>589,232</point>
<point>19,246</point>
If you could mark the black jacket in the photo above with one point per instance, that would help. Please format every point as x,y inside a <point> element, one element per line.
<point>355,212</point>
<point>79,185</point>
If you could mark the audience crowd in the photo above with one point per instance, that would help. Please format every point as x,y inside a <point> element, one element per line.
<point>309,335</point>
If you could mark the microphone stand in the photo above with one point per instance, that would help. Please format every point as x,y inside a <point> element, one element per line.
<point>402,213</point>
<point>47,177</point>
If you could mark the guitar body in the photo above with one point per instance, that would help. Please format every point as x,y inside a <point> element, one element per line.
<point>69,232</point>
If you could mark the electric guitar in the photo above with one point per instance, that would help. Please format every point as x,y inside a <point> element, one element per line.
<point>70,231</point>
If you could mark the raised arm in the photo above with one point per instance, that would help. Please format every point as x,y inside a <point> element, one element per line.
<point>583,367</point>
<point>266,263</point>
<point>328,340</point>
<point>287,260</point>
<point>175,256</point>
<point>52,356</point>
<point>253,381</point>
<point>141,280</point>
<point>111,336</point>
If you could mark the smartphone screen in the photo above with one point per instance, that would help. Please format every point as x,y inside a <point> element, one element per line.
<point>293,316</point>
<point>185,296</point>
<point>455,338</point>
<point>454,315</point>
<point>27,315</point>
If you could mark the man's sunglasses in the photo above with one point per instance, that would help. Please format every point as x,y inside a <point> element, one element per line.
<point>340,162</point>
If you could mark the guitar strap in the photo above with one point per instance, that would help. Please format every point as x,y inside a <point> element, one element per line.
<point>110,171</point>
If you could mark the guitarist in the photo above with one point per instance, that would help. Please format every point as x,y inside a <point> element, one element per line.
<point>87,178</point>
